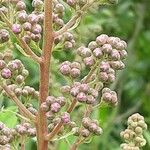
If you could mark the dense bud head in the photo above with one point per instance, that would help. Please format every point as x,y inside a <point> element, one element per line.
<point>27,26</point>
<point>16,28</point>
<point>61,100</point>
<point>102,39</point>
<point>59,8</point>
<point>84,52</point>
<point>74,72</point>
<point>4,36</point>
<point>37,4</point>
<point>92,45</point>
<point>115,55</point>
<point>74,91</point>
<point>65,118</point>
<point>55,107</point>
<point>107,48</point>
<point>104,66</point>
<point>22,16</point>
<point>98,52</point>
<point>68,36</point>
<point>20,79</point>
<point>103,76</point>
<point>68,45</point>
<point>65,89</point>
<point>81,97</point>
<point>89,61</point>
<point>90,99</point>
<point>85,132</point>
<point>113,41</point>
<point>86,122</point>
<point>32,18</point>
<point>123,54</point>
<point>50,100</point>
<point>6,73</point>
<point>20,6</point>
<point>84,87</point>
<point>36,29</point>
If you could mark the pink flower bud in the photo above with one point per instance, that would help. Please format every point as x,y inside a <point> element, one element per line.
<point>98,53</point>
<point>92,45</point>
<point>81,97</point>
<point>84,88</point>
<point>16,28</point>
<point>65,69</point>
<point>20,6</point>
<point>65,118</point>
<point>6,73</point>
<point>104,66</point>
<point>102,39</point>
<point>74,72</point>
<point>115,55</point>
<point>74,91</point>
<point>103,76</point>
<point>89,61</point>
<point>123,54</point>
<point>32,18</point>
<point>107,48</point>
<point>55,107</point>
<point>36,29</point>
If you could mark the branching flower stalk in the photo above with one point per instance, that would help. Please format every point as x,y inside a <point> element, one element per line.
<point>37,35</point>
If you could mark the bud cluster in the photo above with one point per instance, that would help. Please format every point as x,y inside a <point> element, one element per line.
<point>133,135</point>
<point>82,92</point>
<point>25,129</point>
<point>6,134</point>
<point>109,97</point>
<point>53,105</point>
<point>89,127</point>
<point>66,39</point>
<point>70,69</point>
<point>109,52</point>
<point>12,69</point>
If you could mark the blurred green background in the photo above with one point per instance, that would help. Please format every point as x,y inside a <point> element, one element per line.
<point>129,20</point>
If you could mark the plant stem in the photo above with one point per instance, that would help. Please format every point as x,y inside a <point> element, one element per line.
<point>12,95</point>
<point>42,129</point>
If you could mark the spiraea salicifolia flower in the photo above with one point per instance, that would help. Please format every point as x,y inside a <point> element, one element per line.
<point>133,135</point>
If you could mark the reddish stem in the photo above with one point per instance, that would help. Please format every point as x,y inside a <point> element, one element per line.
<point>42,129</point>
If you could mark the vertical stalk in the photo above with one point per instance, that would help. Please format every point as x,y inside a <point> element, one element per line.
<point>42,129</point>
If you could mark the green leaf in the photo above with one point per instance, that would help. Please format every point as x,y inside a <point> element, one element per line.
<point>8,117</point>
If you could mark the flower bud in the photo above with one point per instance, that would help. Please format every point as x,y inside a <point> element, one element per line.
<point>27,26</point>
<point>107,48</point>
<point>36,29</point>
<point>2,64</point>
<point>19,79</point>
<point>74,91</point>
<point>85,132</point>
<point>81,97</point>
<point>20,6</point>
<point>74,72</point>
<point>89,61</point>
<point>65,118</point>
<point>65,89</point>
<point>97,53</point>
<point>55,107</point>
<point>104,66</point>
<point>16,28</point>
<point>90,99</point>
<point>115,55</point>
<point>4,36</point>
<point>92,45</point>
<point>65,69</point>
<point>103,76</point>
<point>68,45</point>
<point>102,39</point>
<point>6,73</point>
<point>37,4</point>
<point>32,18</point>
<point>22,17</point>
